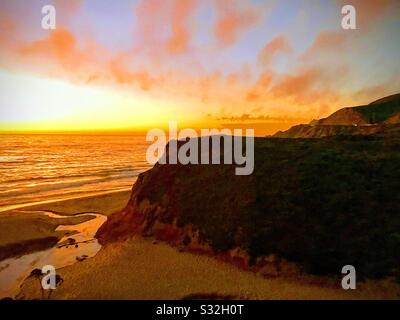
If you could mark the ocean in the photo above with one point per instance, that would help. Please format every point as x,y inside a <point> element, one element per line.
<point>45,167</point>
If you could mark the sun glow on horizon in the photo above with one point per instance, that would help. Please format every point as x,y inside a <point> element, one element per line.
<point>135,65</point>
<point>32,103</point>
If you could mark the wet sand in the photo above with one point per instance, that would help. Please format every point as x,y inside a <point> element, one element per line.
<point>25,230</point>
<point>105,204</point>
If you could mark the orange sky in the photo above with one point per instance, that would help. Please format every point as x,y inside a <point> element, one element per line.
<point>135,65</point>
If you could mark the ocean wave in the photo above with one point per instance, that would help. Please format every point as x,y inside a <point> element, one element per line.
<point>42,166</point>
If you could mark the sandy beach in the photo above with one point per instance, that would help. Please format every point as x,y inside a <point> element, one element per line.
<point>139,268</point>
<point>27,230</point>
<point>142,269</point>
<point>107,203</point>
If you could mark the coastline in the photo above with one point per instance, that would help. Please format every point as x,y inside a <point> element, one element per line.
<point>142,268</point>
<point>27,230</point>
<point>46,204</point>
<point>105,203</point>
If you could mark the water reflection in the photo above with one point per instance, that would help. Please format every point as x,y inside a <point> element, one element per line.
<point>13,271</point>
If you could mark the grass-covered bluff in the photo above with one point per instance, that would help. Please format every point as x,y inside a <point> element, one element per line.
<point>322,203</point>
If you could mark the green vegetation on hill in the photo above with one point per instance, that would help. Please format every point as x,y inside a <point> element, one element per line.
<point>329,202</point>
<point>381,110</point>
<point>323,203</point>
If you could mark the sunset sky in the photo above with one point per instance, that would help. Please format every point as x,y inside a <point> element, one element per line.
<point>136,65</point>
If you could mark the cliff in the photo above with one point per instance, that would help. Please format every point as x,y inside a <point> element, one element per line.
<point>321,203</point>
<point>378,117</point>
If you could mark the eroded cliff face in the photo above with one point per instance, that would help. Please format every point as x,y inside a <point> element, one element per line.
<point>167,203</point>
<point>345,116</point>
<point>302,202</point>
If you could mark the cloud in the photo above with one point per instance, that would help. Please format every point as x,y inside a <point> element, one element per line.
<point>163,26</point>
<point>276,46</point>
<point>123,76</point>
<point>164,59</point>
<point>260,88</point>
<point>181,12</point>
<point>311,86</point>
<point>8,29</point>
<point>326,41</point>
<point>152,20</point>
<point>295,84</point>
<point>59,46</point>
<point>232,21</point>
<point>376,91</point>
<point>59,55</point>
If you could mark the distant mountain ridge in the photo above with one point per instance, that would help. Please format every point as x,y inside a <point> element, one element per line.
<point>380,116</point>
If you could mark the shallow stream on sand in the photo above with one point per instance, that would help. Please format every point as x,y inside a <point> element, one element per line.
<point>79,244</point>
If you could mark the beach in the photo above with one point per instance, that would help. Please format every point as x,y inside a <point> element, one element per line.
<point>58,233</point>
<point>27,229</point>
<point>142,268</point>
